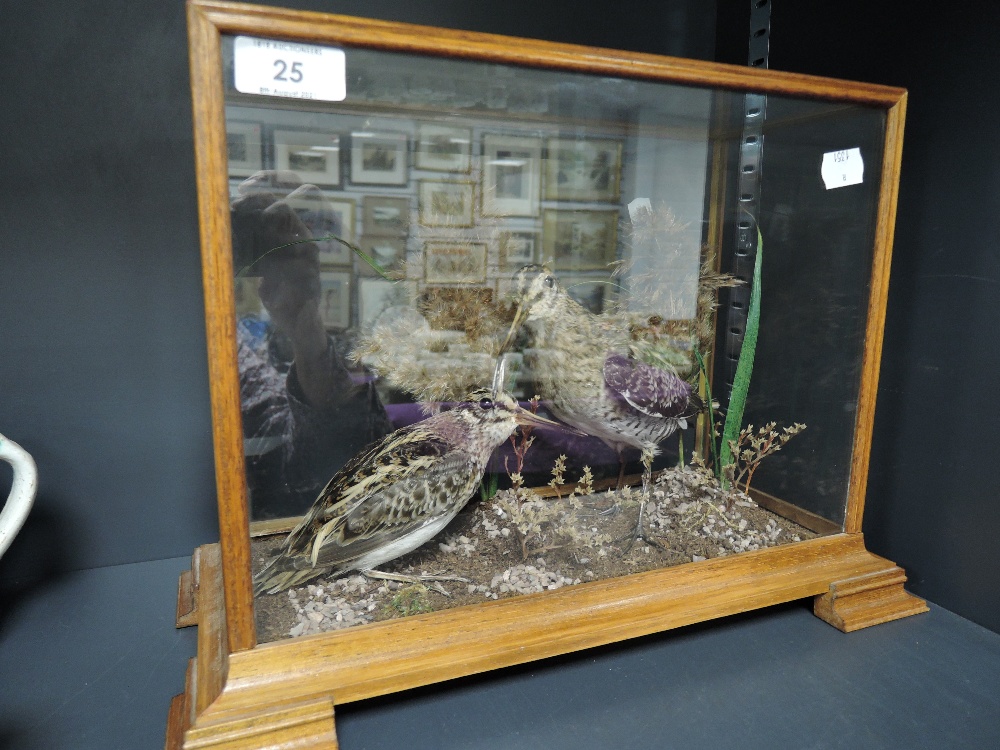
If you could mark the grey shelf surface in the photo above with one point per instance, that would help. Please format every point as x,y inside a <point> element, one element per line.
<point>92,660</point>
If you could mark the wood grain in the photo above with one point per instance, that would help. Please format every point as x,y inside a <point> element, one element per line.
<point>804,518</point>
<point>867,600</point>
<point>878,296</point>
<point>386,657</point>
<point>212,664</point>
<point>176,725</point>
<point>238,18</point>
<point>187,600</point>
<point>281,695</point>
<point>308,725</point>
<point>217,274</point>
<point>614,609</point>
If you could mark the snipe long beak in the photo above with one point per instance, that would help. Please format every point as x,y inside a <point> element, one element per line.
<point>515,326</point>
<point>526,419</point>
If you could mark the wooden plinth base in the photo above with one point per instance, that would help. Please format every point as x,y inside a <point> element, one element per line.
<point>867,600</point>
<point>307,726</point>
<point>282,694</point>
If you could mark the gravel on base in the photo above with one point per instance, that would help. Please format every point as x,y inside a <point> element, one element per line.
<point>571,541</point>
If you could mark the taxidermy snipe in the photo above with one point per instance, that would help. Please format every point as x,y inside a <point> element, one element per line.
<point>397,494</point>
<point>583,366</point>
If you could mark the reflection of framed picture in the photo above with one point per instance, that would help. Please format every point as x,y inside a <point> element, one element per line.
<point>343,209</point>
<point>443,148</point>
<point>583,170</point>
<point>592,292</point>
<point>314,157</point>
<point>378,158</point>
<point>388,252</point>
<point>446,204</point>
<point>579,240</point>
<point>386,216</point>
<point>517,249</point>
<point>326,217</point>
<point>512,175</point>
<point>335,298</point>
<point>375,296</point>
<point>455,262</point>
<point>244,148</point>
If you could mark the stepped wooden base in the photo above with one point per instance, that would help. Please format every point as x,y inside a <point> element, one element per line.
<point>307,726</point>
<point>282,695</point>
<point>303,723</point>
<point>867,600</point>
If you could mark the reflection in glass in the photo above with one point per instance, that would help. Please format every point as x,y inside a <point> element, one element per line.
<point>579,230</point>
<point>304,414</point>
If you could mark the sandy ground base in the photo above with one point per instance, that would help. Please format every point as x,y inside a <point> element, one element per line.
<point>515,544</point>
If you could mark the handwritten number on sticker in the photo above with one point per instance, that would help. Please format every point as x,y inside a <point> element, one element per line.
<point>842,167</point>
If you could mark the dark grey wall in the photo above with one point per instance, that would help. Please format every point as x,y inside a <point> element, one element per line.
<point>932,498</point>
<point>103,373</point>
<point>102,356</point>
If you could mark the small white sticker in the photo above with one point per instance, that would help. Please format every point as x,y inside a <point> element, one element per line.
<point>843,168</point>
<point>269,67</point>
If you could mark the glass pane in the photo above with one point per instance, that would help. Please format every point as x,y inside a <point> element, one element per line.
<point>818,254</point>
<point>394,248</point>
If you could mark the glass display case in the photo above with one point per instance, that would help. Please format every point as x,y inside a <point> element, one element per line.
<point>519,348</point>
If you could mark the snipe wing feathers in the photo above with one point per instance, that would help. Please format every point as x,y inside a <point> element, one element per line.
<point>381,495</point>
<point>649,389</point>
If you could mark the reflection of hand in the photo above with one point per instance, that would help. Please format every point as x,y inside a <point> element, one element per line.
<point>289,286</point>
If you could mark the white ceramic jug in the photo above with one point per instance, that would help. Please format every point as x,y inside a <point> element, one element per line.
<point>22,491</point>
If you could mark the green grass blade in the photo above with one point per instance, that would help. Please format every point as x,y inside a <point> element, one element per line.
<point>351,246</point>
<point>711,414</point>
<point>488,485</point>
<point>744,368</point>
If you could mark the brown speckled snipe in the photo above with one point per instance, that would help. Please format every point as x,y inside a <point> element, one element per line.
<point>396,494</point>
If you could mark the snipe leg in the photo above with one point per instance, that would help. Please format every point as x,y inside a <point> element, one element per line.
<point>640,527</point>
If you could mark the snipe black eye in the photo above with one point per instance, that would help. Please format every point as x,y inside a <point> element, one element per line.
<point>486,404</point>
<point>550,282</point>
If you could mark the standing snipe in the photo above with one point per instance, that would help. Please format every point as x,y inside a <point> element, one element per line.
<point>583,367</point>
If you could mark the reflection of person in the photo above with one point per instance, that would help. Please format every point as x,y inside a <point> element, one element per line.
<point>303,415</point>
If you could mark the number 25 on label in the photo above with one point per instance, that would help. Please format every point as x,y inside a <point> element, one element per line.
<point>268,67</point>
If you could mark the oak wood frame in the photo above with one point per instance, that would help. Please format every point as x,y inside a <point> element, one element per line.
<point>241,695</point>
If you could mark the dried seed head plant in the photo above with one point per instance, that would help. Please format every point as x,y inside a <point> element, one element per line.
<point>751,447</point>
<point>545,524</point>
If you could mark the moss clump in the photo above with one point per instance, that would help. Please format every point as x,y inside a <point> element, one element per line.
<point>411,600</point>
